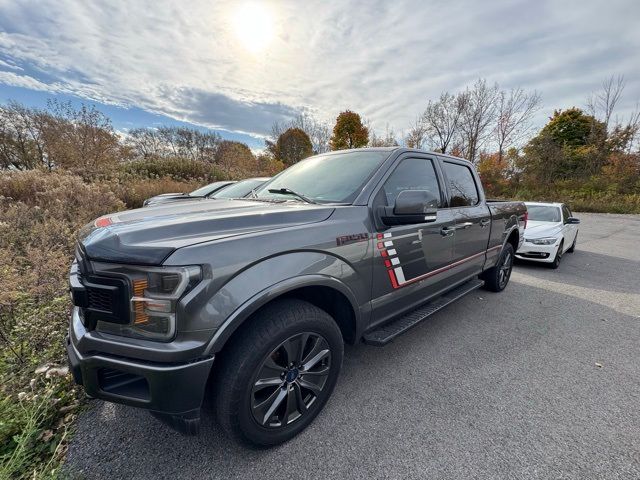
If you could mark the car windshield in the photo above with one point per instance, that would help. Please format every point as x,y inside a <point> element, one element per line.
<point>206,190</point>
<point>543,213</point>
<point>239,189</point>
<point>336,178</point>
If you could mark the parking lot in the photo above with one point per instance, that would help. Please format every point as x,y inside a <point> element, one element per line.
<point>540,381</point>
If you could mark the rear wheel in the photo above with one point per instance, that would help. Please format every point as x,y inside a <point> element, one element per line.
<point>556,260</point>
<point>496,278</point>
<point>278,373</point>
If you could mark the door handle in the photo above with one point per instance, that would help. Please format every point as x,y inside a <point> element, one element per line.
<point>447,231</point>
<point>462,226</point>
<point>484,222</point>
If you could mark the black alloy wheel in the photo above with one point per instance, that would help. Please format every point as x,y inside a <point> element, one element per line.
<point>290,379</point>
<point>504,269</point>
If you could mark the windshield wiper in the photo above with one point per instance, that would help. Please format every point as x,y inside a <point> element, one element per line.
<point>288,191</point>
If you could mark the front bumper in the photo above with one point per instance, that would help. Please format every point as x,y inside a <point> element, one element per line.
<point>537,253</point>
<point>173,392</point>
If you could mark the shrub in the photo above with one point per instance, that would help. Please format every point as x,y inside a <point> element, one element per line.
<point>39,213</point>
<point>135,191</point>
<point>173,167</point>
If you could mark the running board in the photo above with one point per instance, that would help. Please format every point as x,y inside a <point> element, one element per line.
<point>389,331</point>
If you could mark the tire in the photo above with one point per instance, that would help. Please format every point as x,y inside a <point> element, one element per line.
<point>252,405</point>
<point>496,278</point>
<point>556,260</point>
<point>572,248</point>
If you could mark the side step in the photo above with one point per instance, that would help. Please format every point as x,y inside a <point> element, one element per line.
<point>389,331</point>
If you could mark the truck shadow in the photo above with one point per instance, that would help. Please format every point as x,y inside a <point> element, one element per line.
<point>490,374</point>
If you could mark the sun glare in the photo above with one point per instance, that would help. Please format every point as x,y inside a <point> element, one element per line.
<point>253,26</point>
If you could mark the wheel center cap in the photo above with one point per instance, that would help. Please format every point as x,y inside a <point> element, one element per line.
<point>292,375</point>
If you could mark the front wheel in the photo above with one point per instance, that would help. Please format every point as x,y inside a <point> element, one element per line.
<point>496,278</point>
<point>278,373</point>
<point>556,260</point>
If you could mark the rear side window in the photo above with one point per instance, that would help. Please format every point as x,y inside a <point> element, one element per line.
<point>411,174</point>
<point>462,185</point>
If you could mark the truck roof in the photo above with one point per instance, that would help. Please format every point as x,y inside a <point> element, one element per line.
<point>398,149</point>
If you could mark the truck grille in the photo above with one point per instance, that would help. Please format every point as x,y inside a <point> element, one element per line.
<point>100,300</point>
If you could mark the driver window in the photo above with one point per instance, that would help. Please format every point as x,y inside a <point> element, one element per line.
<point>411,174</point>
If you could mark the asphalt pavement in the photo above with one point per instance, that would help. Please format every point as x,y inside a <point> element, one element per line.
<point>539,381</point>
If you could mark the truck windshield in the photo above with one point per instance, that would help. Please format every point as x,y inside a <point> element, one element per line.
<point>335,178</point>
<point>543,213</point>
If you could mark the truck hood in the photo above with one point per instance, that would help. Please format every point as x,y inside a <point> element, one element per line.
<point>147,236</point>
<point>537,229</point>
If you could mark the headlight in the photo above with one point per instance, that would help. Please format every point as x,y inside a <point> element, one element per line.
<point>154,294</point>
<point>541,241</point>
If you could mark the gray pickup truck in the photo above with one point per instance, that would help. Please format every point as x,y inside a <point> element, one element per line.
<point>248,302</point>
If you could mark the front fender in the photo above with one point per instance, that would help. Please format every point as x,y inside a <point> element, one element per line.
<point>257,285</point>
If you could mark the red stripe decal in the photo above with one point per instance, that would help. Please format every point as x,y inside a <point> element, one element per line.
<point>392,277</point>
<point>446,267</point>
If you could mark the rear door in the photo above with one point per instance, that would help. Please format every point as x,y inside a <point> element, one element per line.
<point>472,218</point>
<point>411,260</point>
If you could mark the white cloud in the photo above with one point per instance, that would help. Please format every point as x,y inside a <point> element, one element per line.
<point>382,59</point>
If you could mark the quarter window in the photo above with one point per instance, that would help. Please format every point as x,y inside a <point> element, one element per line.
<point>461,185</point>
<point>411,174</point>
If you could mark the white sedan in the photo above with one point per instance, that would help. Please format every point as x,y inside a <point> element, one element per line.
<point>551,231</point>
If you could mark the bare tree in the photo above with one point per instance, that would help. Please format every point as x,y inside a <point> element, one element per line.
<point>603,103</point>
<point>478,115</point>
<point>622,133</point>
<point>318,132</point>
<point>515,109</point>
<point>416,136</point>
<point>441,119</point>
<point>388,140</point>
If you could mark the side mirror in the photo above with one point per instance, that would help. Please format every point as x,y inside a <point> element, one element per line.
<point>573,220</point>
<point>412,206</point>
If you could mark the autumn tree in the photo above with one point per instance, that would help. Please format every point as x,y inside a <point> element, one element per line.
<point>349,132</point>
<point>234,158</point>
<point>318,132</point>
<point>21,142</point>
<point>292,146</point>
<point>566,147</point>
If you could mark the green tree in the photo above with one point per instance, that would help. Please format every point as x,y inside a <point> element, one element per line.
<point>349,132</point>
<point>292,146</point>
<point>571,145</point>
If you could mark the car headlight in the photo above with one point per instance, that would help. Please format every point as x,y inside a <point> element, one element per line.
<point>541,241</point>
<point>154,294</point>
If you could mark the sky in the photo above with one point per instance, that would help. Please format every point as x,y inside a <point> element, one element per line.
<point>237,67</point>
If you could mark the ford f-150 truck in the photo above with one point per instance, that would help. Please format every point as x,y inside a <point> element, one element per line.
<point>251,300</point>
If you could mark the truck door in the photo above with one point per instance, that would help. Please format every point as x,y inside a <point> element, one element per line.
<point>472,219</point>
<point>410,261</point>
